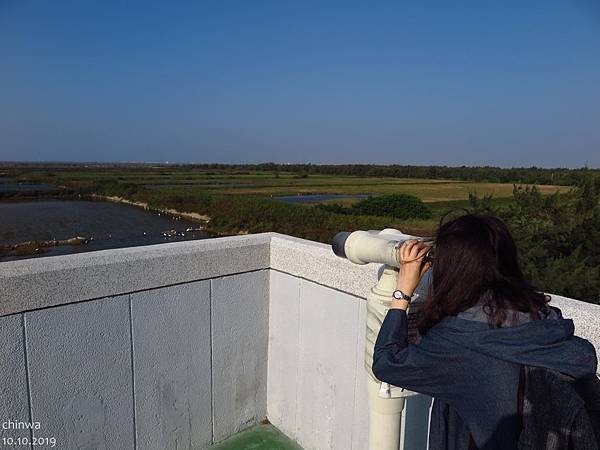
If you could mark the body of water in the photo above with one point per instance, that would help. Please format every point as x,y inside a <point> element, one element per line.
<point>198,185</point>
<point>314,198</point>
<point>26,187</point>
<point>109,225</point>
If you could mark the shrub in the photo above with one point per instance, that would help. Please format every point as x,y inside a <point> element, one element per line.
<point>401,206</point>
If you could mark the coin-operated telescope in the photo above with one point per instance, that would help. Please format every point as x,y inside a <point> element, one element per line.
<point>381,246</point>
<point>363,247</point>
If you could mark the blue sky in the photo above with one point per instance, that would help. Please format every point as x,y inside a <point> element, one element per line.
<point>510,83</point>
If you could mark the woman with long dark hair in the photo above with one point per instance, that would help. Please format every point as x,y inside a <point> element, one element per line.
<point>480,323</point>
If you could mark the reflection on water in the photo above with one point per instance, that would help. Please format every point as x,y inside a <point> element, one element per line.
<point>110,225</point>
<point>313,198</point>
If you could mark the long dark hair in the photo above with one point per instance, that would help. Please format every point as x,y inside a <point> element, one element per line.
<point>475,261</point>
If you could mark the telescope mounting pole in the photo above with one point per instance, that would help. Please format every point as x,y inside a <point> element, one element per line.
<point>385,414</point>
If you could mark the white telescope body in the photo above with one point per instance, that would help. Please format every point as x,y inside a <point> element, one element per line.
<point>385,402</point>
<point>372,246</point>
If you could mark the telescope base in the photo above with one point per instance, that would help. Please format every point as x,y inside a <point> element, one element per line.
<point>385,414</point>
<point>385,417</point>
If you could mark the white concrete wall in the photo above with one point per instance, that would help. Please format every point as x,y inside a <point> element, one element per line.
<point>317,391</point>
<point>178,367</point>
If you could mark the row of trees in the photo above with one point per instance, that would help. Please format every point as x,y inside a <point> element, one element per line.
<point>522,175</point>
<point>525,175</point>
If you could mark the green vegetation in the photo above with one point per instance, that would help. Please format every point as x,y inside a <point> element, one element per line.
<point>557,237</point>
<point>487,174</point>
<point>556,227</point>
<point>230,180</point>
<point>399,206</point>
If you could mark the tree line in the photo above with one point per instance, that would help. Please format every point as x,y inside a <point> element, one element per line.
<point>491,174</point>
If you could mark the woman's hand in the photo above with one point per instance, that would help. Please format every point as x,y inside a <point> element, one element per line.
<point>410,256</point>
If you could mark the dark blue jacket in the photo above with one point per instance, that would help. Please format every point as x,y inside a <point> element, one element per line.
<point>472,370</point>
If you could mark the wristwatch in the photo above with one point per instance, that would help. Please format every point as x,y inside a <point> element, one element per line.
<point>399,295</point>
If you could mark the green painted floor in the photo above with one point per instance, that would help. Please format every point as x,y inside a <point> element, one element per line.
<point>259,437</point>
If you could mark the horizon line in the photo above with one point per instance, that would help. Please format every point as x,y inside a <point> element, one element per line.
<point>169,163</point>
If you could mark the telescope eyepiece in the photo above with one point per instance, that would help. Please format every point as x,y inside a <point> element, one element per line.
<point>429,256</point>
<point>339,243</point>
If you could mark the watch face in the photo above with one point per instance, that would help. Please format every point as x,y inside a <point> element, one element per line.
<point>397,295</point>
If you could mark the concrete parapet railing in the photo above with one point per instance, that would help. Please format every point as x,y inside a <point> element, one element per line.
<point>180,345</point>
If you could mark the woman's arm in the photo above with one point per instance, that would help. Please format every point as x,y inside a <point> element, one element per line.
<point>394,361</point>
<point>391,353</point>
<point>400,364</point>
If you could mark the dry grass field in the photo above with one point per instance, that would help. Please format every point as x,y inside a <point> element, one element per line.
<point>427,190</point>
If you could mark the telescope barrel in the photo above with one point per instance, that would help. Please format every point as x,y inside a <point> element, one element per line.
<point>372,246</point>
